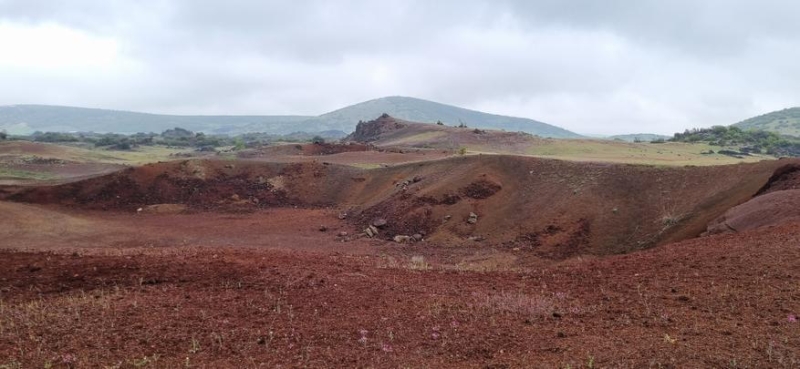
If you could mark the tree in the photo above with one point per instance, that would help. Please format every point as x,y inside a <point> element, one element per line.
<point>318,140</point>
<point>439,123</point>
<point>3,135</point>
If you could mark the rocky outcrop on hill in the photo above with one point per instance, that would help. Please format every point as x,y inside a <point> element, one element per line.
<point>374,129</point>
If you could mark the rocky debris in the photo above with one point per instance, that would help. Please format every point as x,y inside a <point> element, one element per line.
<point>402,239</point>
<point>230,166</point>
<point>476,238</point>
<point>417,236</point>
<point>371,231</point>
<point>342,216</point>
<point>408,182</point>
<point>343,234</point>
<point>379,222</point>
<point>447,217</point>
<point>323,228</point>
<point>473,218</point>
<point>481,189</point>
<point>235,197</point>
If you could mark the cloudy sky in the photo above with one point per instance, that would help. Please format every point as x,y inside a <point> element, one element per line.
<point>594,67</point>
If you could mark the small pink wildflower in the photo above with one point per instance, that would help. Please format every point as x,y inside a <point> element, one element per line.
<point>68,359</point>
<point>792,318</point>
<point>435,335</point>
<point>455,323</point>
<point>386,347</point>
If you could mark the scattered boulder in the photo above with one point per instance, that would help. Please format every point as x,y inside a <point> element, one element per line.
<point>379,222</point>
<point>473,218</point>
<point>343,234</point>
<point>323,228</point>
<point>417,237</point>
<point>447,217</point>
<point>402,239</point>
<point>371,231</point>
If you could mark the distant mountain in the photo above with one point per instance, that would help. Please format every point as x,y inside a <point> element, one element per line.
<point>418,110</point>
<point>640,137</point>
<point>785,122</point>
<point>25,119</point>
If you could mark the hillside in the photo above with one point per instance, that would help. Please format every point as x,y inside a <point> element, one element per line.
<point>418,110</point>
<point>387,131</point>
<point>25,119</point>
<point>785,122</point>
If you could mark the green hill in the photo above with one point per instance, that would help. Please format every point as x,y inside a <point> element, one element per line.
<point>785,122</point>
<point>25,119</point>
<point>424,111</point>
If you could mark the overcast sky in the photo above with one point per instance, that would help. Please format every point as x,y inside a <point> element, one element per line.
<point>594,67</point>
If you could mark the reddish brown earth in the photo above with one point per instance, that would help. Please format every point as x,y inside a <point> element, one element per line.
<point>388,131</point>
<point>345,154</point>
<point>277,275</point>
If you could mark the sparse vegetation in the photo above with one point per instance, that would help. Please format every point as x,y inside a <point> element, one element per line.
<point>750,141</point>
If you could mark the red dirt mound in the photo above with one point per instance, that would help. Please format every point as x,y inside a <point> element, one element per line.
<point>313,149</point>
<point>786,177</point>
<point>770,209</point>
<point>200,184</point>
<point>553,208</point>
<point>387,131</point>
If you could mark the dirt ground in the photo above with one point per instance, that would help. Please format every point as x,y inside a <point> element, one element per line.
<point>90,289</point>
<point>252,264</point>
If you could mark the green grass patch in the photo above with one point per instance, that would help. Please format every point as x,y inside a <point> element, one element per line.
<point>8,173</point>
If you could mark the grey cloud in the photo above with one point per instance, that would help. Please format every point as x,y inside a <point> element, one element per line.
<point>590,66</point>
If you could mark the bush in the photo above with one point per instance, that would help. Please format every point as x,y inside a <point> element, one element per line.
<point>3,135</point>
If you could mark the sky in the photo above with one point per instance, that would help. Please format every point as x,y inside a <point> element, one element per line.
<point>593,67</point>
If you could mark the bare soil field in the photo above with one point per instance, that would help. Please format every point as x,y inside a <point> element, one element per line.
<point>213,299</point>
<point>484,261</point>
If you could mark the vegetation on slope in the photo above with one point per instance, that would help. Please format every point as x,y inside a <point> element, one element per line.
<point>785,122</point>
<point>174,137</point>
<point>745,141</point>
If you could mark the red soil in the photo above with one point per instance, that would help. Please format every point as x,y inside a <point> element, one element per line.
<point>267,278</point>
<point>557,209</point>
<point>711,302</point>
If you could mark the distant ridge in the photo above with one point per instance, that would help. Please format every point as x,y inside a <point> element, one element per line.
<point>418,110</point>
<point>785,122</point>
<point>24,119</point>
